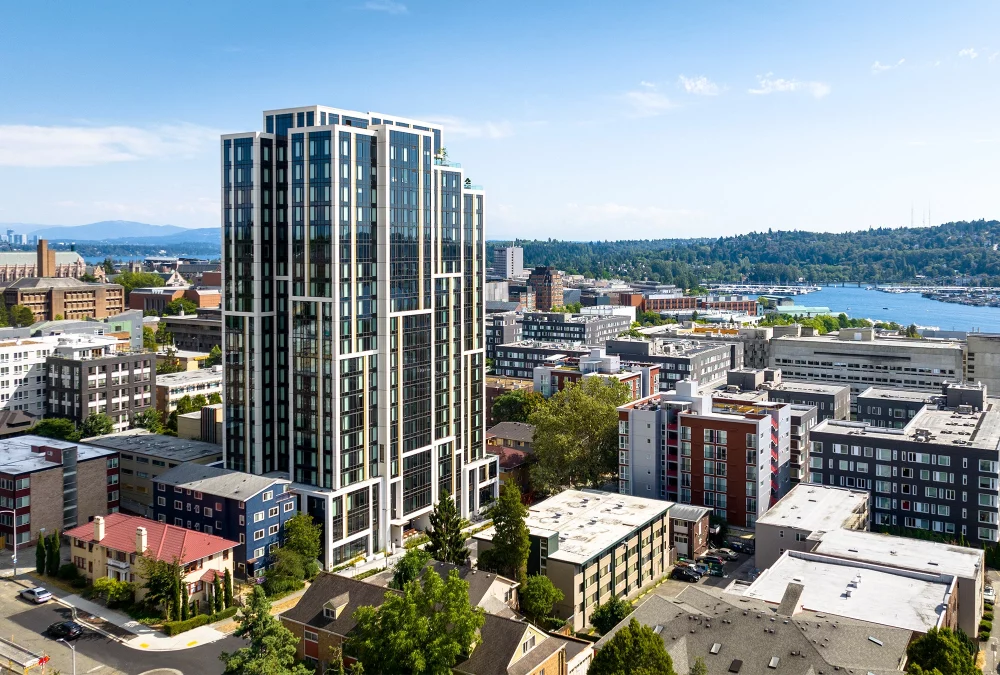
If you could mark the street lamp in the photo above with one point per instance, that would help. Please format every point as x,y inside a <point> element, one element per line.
<point>14,521</point>
<point>73,648</point>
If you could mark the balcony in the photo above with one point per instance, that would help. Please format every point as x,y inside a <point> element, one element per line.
<point>441,161</point>
<point>118,564</point>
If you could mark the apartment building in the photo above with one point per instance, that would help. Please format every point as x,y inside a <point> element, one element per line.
<point>594,545</point>
<point>86,375</point>
<point>547,284</point>
<point>832,401</point>
<point>728,454</point>
<point>641,380</point>
<point>144,456</point>
<point>894,408</point>
<point>48,485</point>
<point>983,359</point>
<point>22,374</point>
<point>804,418</point>
<point>705,362</point>
<point>939,473</point>
<point>172,387</point>
<point>508,262</point>
<point>519,359</point>
<point>588,329</point>
<point>501,328</point>
<point>195,333</point>
<point>354,259</point>
<point>858,358</point>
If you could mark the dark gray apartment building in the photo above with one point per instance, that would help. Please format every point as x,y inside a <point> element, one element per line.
<point>804,418</point>
<point>518,359</point>
<point>937,473</point>
<point>501,328</point>
<point>588,329</point>
<point>892,408</point>
<point>85,375</point>
<point>195,333</point>
<point>832,401</point>
<point>705,362</point>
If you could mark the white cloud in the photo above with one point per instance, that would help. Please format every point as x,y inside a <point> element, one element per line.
<point>970,52</point>
<point>460,128</point>
<point>993,56</point>
<point>767,84</point>
<point>36,146</point>
<point>881,68</point>
<point>700,85</point>
<point>387,6</point>
<point>648,102</point>
<point>643,83</point>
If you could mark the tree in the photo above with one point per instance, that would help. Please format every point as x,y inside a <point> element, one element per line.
<point>285,573</point>
<point>610,614</point>
<point>40,555</point>
<point>185,603</point>
<point>302,536</point>
<point>113,590</point>
<point>132,280</point>
<point>515,406</point>
<point>59,428</point>
<point>633,332</point>
<point>227,589</point>
<point>214,398</point>
<point>912,331</point>
<point>96,424</point>
<point>424,629</point>
<point>21,316</point>
<point>218,594</point>
<point>272,647</point>
<point>447,542</point>
<point>150,419</point>
<point>940,649</point>
<point>511,544</point>
<point>409,567</point>
<point>163,336</point>
<point>89,278</point>
<point>109,266</point>
<point>162,584</point>
<point>148,338</point>
<point>635,649</point>
<point>178,306</point>
<point>214,357</point>
<point>170,364</point>
<point>538,596</point>
<point>576,435</point>
<point>4,318</point>
<point>53,557</point>
<point>698,667</point>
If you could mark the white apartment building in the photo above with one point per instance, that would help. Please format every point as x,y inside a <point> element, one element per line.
<point>22,374</point>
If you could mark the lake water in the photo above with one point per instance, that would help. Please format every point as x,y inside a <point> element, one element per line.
<point>903,308</point>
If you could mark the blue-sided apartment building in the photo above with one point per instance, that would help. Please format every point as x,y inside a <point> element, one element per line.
<point>230,504</point>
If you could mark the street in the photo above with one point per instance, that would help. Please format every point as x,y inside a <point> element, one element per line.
<point>25,624</point>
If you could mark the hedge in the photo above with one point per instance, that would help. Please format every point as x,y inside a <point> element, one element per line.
<point>985,626</point>
<point>413,542</point>
<point>984,636</point>
<point>177,627</point>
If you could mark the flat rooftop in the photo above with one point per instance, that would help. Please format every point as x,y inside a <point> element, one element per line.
<point>142,442</point>
<point>878,341</point>
<point>912,554</point>
<point>898,598</point>
<point>588,522</point>
<point>816,508</point>
<point>811,387</point>
<point>574,347</point>
<point>899,394</point>
<point>980,430</point>
<point>188,376</point>
<point>16,456</point>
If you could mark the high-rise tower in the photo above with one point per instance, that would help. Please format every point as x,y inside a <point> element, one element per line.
<point>353,272</point>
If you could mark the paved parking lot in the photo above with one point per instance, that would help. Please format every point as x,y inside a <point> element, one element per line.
<point>740,568</point>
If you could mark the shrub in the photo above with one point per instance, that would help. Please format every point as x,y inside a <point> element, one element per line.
<point>413,542</point>
<point>79,582</point>
<point>292,587</point>
<point>369,573</point>
<point>175,627</point>
<point>984,636</point>
<point>225,614</point>
<point>985,626</point>
<point>68,572</point>
<point>987,616</point>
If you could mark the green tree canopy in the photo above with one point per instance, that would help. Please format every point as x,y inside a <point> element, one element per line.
<point>272,647</point>
<point>214,398</point>
<point>538,596</point>
<point>424,629</point>
<point>150,419</point>
<point>20,316</point>
<point>511,544</point>
<point>576,435</point>
<point>162,584</point>
<point>942,650</point>
<point>59,428</point>
<point>132,280</point>
<point>148,338</point>
<point>303,535</point>
<point>610,614</point>
<point>96,424</point>
<point>634,650</point>
<point>698,667</point>
<point>515,405</point>
<point>409,568</point>
<point>175,307</point>
<point>447,542</point>
<point>214,357</point>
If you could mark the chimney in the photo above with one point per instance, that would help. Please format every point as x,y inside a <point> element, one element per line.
<point>98,528</point>
<point>46,266</point>
<point>140,540</point>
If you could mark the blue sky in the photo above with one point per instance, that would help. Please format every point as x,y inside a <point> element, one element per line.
<point>583,120</point>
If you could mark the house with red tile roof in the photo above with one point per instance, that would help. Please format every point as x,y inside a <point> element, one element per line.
<point>111,546</point>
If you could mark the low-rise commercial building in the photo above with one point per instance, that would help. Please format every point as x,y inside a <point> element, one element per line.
<point>832,401</point>
<point>111,547</point>
<point>51,485</point>
<point>202,425</point>
<point>594,545</point>
<point>181,359</point>
<point>145,455</point>
<point>238,506</point>
<point>893,408</point>
<point>156,298</point>
<point>173,387</point>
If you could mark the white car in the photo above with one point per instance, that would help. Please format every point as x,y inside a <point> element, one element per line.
<point>989,595</point>
<point>36,595</point>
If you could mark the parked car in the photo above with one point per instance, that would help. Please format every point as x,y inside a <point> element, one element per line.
<point>684,574</point>
<point>66,630</point>
<point>712,558</point>
<point>989,595</point>
<point>37,595</point>
<point>727,553</point>
<point>700,570</point>
<point>716,570</point>
<point>742,545</point>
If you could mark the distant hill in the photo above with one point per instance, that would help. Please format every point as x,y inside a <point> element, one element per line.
<point>105,230</point>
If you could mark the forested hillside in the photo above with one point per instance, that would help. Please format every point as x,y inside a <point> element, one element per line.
<point>878,254</point>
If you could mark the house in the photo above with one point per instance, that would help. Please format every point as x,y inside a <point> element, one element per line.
<point>494,593</point>
<point>111,547</point>
<point>689,529</point>
<point>242,507</point>
<point>511,442</point>
<point>324,618</point>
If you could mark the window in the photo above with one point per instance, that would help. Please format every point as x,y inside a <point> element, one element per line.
<point>273,529</point>
<point>259,534</point>
<point>289,505</point>
<point>160,487</point>
<point>268,495</point>
<point>528,645</point>
<point>308,635</point>
<point>272,512</point>
<point>258,552</point>
<point>259,516</point>
<point>207,512</point>
<point>161,501</point>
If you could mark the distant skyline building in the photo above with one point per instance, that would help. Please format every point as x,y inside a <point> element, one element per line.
<point>508,262</point>
<point>353,321</point>
<point>547,282</point>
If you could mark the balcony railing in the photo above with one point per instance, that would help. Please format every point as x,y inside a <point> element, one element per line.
<point>441,161</point>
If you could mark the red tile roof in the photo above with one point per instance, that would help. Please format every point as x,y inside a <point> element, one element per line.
<point>163,541</point>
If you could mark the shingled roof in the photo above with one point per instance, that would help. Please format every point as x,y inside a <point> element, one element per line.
<point>163,541</point>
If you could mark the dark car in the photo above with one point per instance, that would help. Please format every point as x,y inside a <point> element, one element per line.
<point>66,630</point>
<point>742,546</point>
<point>712,559</point>
<point>685,574</point>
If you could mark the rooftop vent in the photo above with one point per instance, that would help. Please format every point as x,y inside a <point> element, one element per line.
<point>875,640</point>
<point>715,648</point>
<point>735,666</point>
<point>773,663</point>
